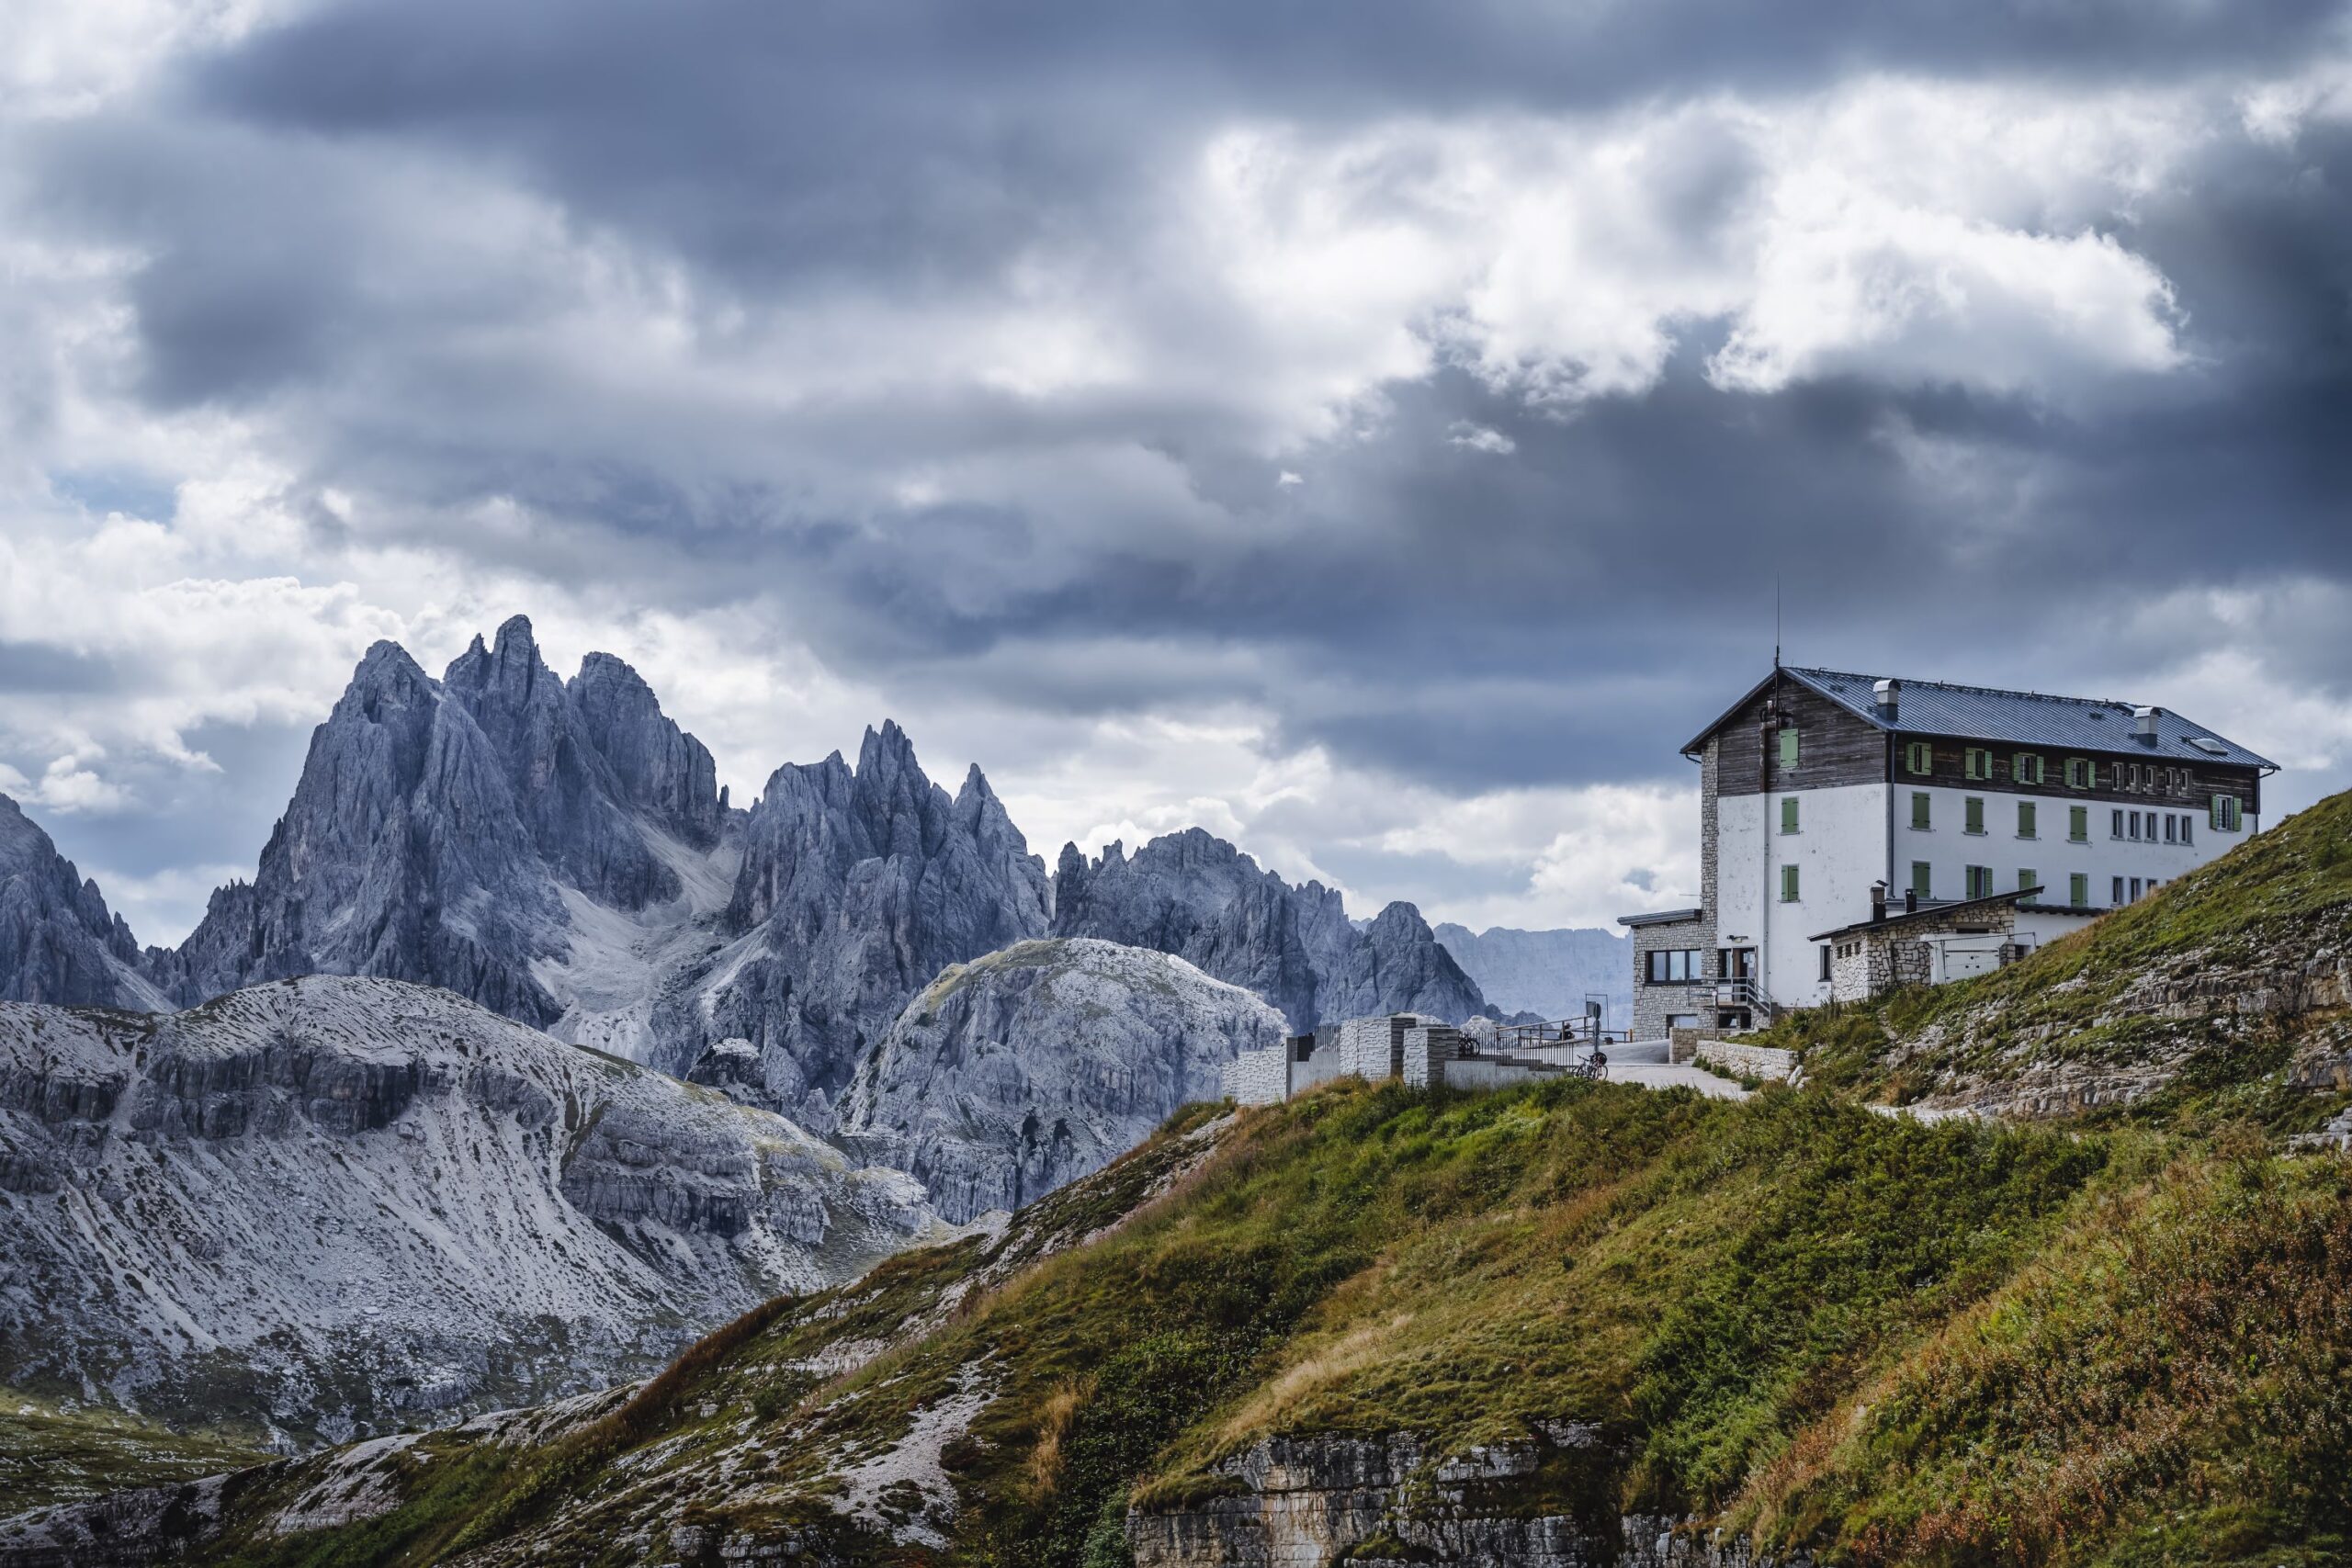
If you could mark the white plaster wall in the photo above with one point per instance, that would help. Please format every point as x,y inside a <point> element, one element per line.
<point>1950,850</point>
<point>1840,849</point>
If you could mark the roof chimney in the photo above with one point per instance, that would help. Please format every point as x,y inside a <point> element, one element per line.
<point>2143,721</point>
<point>1886,695</point>
<point>1878,901</point>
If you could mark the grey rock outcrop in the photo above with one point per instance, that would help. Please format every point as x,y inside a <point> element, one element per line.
<point>58,942</point>
<point>1026,1069</point>
<point>336,1205</point>
<point>856,887</point>
<point>1547,973</point>
<point>1196,896</point>
<point>1389,1499</point>
<point>441,829</point>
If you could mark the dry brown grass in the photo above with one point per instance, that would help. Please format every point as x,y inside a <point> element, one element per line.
<point>1054,1417</point>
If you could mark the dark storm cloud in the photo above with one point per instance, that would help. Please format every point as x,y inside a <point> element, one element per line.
<point>312,203</point>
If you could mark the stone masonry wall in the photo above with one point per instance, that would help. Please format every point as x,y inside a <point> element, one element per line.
<point>1427,1049</point>
<point>1764,1062</point>
<point>1654,1005</point>
<point>1259,1077</point>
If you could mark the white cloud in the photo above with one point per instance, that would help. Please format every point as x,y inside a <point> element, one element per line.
<point>1478,438</point>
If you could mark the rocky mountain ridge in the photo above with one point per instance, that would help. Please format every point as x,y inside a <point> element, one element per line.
<point>332,1205</point>
<point>559,851</point>
<point>1196,896</point>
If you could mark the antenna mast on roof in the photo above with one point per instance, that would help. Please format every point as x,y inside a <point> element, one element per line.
<point>1776,620</point>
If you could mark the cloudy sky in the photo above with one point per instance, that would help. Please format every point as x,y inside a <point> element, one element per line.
<point>1370,431</point>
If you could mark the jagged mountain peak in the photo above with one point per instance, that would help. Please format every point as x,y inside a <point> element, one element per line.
<point>58,941</point>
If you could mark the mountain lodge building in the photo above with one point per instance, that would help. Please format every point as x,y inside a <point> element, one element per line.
<point>1858,833</point>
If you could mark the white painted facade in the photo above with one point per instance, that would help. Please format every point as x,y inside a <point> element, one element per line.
<point>1839,850</point>
<point>1850,837</point>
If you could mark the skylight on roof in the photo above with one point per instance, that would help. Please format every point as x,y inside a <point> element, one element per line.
<point>2206,743</point>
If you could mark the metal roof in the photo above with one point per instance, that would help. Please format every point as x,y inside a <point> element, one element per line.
<point>1895,917</point>
<point>2027,719</point>
<point>1662,918</point>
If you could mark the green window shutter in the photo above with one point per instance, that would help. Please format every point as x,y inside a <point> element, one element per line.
<point>2078,890</point>
<point>1789,815</point>
<point>2213,815</point>
<point>2025,820</point>
<point>2029,878</point>
<point>2078,824</point>
<point>1788,747</point>
<point>1787,885</point>
<point>1919,808</point>
<point>1973,816</point>
<point>1922,879</point>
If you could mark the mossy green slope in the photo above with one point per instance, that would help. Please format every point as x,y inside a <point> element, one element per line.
<point>1891,1342</point>
<point>54,1453</point>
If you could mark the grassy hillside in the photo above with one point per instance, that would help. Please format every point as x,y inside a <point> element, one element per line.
<point>1896,1342</point>
<point>2222,995</point>
<point>50,1454</point>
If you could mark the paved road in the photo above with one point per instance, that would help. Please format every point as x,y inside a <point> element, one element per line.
<point>1643,1062</point>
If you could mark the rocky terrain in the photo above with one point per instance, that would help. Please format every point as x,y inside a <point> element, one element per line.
<point>327,1206</point>
<point>1023,1070</point>
<point>1549,974</point>
<point>1563,1325</point>
<point>1197,897</point>
<point>58,943</point>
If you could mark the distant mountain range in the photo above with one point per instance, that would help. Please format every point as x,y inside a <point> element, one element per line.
<point>1552,973</point>
<point>559,852</point>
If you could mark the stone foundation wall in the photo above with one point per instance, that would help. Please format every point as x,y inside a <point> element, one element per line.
<point>1428,1053</point>
<point>1301,1502</point>
<point>1259,1077</point>
<point>1766,1062</point>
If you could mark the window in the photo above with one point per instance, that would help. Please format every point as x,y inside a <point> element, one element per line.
<point>1978,763</point>
<point>2078,890</point>
<point>2224,815</point>
<point>1918,757</point>
<point>2135,890</point>
<point>1824,960</point>
<point>2025,768</point>
<point>2026,878</point>
<point>1919,808</point>
<point>1787,885</point>
<point>2078,824</point>
<point>1972,815</point>
<point>1922,881</point>
<point>1788,814</point>
<point>1980,881</point>
<point>2171,828</point>
<point>2115,829</point>
<point>2188,830</point>
<point>2078,773</point>
<point>2133,817</point>
<point>1788,747</point>
<point>1674,966</point>
<point>2026,820</point>
<point>2116,894</point>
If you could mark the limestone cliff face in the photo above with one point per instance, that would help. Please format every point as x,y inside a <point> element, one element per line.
<point>1197,897</point>
<point>58,943</point>
<point>1544,1503</point>
<point>1026,1069</point>
<point>342,1204</point>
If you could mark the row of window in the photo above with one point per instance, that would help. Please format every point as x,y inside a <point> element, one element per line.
<point>2225,814</point>
<point>1978,881</point>
<point>2025,767</point>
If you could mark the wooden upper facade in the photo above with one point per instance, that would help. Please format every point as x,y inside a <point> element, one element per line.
<point>1835,746</point>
